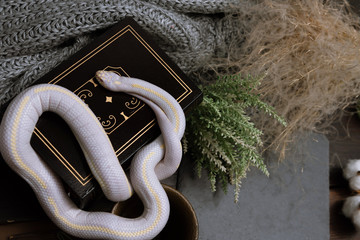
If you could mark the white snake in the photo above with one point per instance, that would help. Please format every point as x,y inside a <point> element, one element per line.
<point>156,161</point>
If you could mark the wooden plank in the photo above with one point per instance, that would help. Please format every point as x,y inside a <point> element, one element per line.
<point>344,145</point>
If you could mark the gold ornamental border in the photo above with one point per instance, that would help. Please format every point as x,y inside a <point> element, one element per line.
<point>128,29</point>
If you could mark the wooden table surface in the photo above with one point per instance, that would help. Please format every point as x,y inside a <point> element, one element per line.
<point>344,145</point>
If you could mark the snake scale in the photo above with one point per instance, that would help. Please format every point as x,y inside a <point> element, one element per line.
<point>156,161</point>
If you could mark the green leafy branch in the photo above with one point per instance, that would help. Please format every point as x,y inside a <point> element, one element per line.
<point>220,135</point>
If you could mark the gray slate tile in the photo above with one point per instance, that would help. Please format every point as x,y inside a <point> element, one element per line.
<point>293,203</point>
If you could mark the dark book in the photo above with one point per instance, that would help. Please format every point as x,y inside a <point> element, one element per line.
<point>18,202</point>
<point>129,51</point>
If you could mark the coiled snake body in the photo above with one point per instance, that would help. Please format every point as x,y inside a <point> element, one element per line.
<point>156,161</point>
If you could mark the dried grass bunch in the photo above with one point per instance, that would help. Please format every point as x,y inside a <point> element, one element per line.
<point>308,52</point>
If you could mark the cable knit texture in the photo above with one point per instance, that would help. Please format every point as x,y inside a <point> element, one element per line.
<point>36,35</point>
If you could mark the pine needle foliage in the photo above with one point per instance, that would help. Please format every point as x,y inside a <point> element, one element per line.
<point>220,135</point>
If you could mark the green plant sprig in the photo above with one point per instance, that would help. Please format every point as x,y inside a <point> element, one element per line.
<point>220,135</point>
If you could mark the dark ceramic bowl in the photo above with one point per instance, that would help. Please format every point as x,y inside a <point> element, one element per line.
<point>182,223</point>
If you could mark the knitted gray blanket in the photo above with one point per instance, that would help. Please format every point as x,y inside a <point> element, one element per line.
<point>36,35</point>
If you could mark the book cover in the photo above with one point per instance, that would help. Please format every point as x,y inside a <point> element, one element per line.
<point>129,51</point>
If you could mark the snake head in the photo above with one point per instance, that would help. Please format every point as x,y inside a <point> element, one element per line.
<point>107,78</point>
